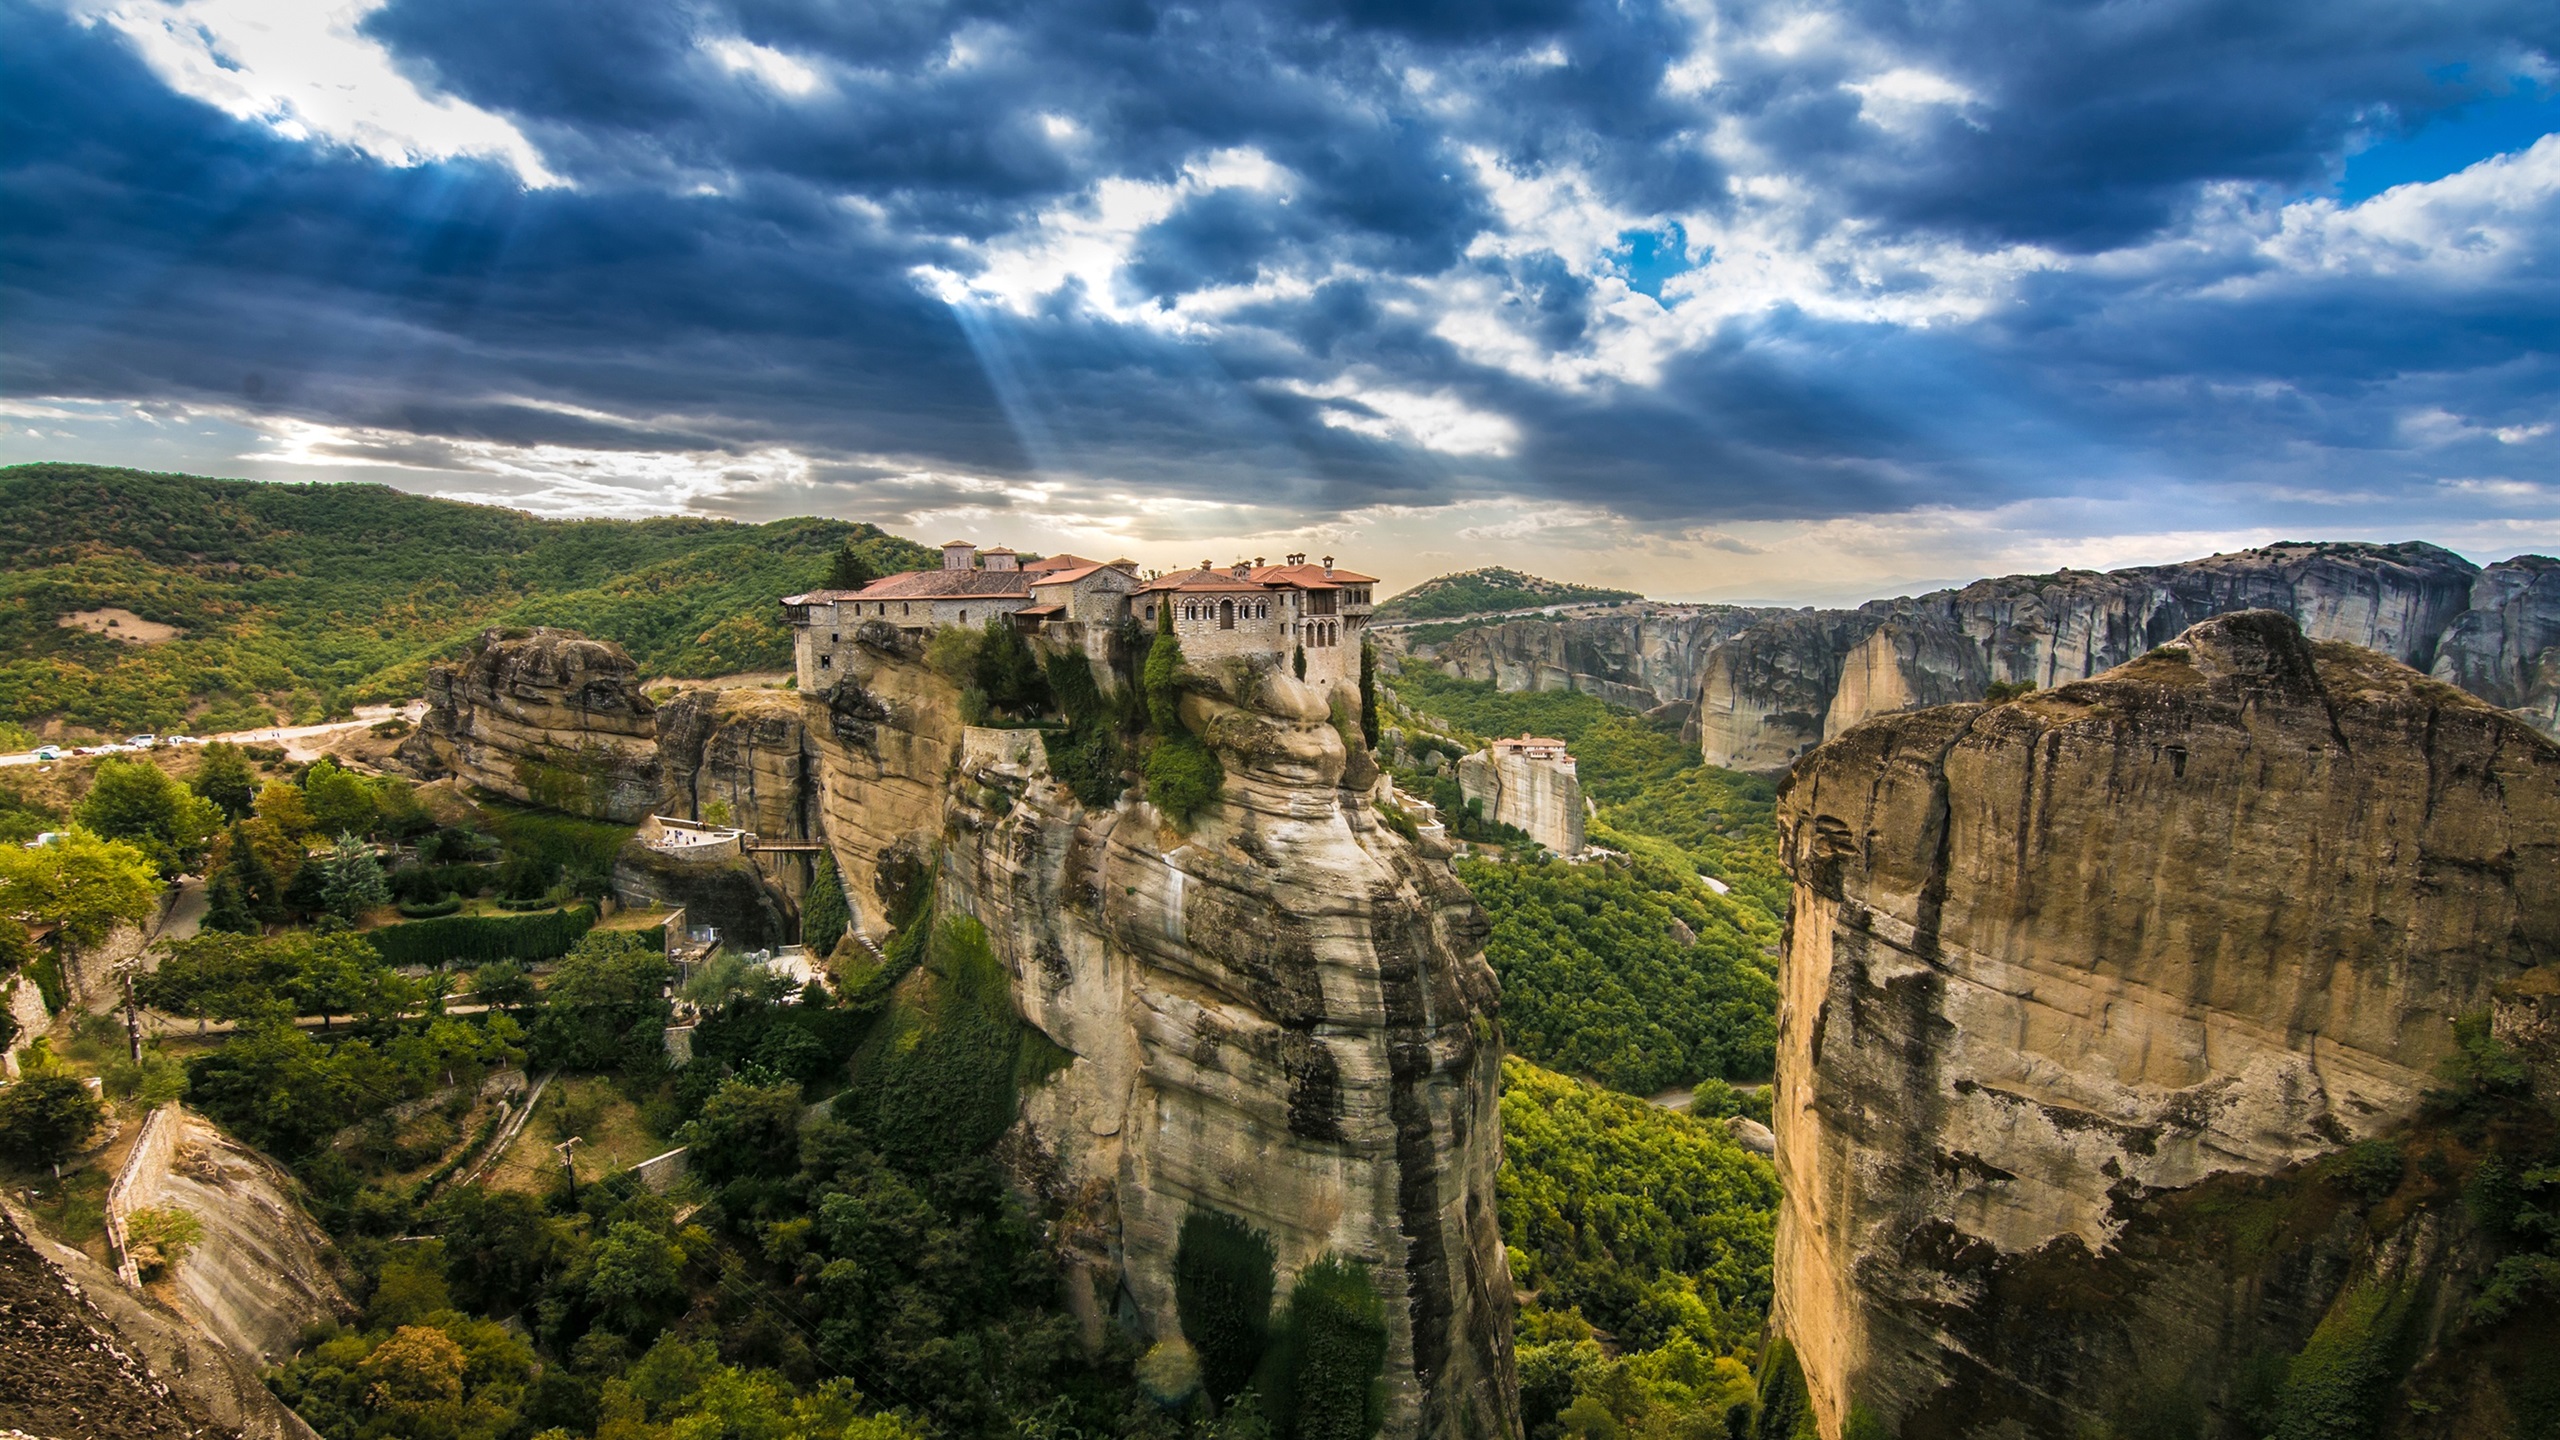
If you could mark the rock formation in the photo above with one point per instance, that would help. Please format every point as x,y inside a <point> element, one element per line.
<point>2056,965</point>
<point>544,716</point>
<point>1640,656</point>
<point>1794,679</point>
<point>1534,792</point>
<point>2506,647</point>
<point>1284,1014</point>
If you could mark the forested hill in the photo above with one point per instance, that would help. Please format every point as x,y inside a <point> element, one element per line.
<point>1490,591</point>
<point>305,598</point>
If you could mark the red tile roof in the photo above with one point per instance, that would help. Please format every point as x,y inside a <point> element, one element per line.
<point>948,585</point>
<point>1059,562</point>
<point>1195,581</point>
<point>1311,577</point>
<point>1066,577</point>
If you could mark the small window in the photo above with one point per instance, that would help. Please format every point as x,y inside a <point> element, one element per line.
<point>826,662</point>
<point>835,639</point>
<point>964,617</point>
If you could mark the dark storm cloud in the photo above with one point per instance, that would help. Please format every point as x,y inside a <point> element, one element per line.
<point>756,188</point>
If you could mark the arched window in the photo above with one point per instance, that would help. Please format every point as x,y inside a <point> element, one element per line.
<point>1226,614</point>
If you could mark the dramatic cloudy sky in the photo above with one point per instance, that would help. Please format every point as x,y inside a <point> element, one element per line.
<point>1793,300</point>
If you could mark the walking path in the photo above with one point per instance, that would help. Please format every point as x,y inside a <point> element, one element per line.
<point>288,736</point>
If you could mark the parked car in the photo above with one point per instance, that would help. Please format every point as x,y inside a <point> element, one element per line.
<point>180,740</point>
<point>48,752</point>
<point>140,742</point>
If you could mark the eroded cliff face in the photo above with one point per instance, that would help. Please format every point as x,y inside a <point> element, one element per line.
<point>548,717</point>
<point>2506,647</point>
<point>1640,656</point>
<point>1794,679</point>
<point>1284,1014</point>
<point>2054,965</point>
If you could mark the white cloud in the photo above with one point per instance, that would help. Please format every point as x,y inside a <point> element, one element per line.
<point>558,480</point>
<point>1087,243</point>
<point>1437,421</point>
<point>304,69</point>
<point>783,73</point>
<point>1896,99</point>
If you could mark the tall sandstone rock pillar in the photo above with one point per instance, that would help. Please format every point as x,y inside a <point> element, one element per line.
<point>1283,1014</point>
<point>2212,911</point>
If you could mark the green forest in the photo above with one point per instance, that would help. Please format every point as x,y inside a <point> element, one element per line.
<point>1487,591</point>
<point>1633,971</point>
<point>308,599</point>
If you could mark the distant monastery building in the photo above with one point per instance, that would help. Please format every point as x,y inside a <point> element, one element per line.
<point>1242,609</point>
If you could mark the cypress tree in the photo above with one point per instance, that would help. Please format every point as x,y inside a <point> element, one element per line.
<point>1368,693</point>
<point>258,886</point>
<point>227,909</point>
<point>1222,1282</point>
<point>1164,668</point>
<point>1298,660</point>
<point>849,571</point>
<point>823,916</point>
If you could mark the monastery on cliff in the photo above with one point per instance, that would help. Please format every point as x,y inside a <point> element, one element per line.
<point>1240,609</point>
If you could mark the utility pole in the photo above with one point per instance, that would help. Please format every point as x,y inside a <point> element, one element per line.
<point>568,1165</point>
<point>132,1010</point>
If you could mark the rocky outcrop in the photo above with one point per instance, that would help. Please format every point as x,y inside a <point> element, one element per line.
<point>1539,795</point>
<point>2506,647</point>
<point>547,717</point>
<point>1640,656</point>
<point>2065,975</point>
<point>1790,681</point>
<point>1283,1014</point>
<point>743,758</point>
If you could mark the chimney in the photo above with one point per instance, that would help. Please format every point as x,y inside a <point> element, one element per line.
<point>1328,567</point>
<point>1001,558</point>
<point>959,555</point>
<point>1206,567</point>
<point>1257,562</point>
<point>1299,559</point>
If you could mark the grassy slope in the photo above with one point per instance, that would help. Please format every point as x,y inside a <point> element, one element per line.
<point>310,597</point>
<point>1479,592</point>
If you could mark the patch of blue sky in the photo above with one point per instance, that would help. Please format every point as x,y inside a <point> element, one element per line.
<point>2454,141</point>
<point>1647,258</point>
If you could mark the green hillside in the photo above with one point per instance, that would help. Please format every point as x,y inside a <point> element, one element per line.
<point>1484,592</point>
<point>308,598</point>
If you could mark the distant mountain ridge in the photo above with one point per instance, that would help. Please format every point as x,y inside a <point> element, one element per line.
<point>1769,684</point>
<point>302,598</point>
<point>1490,591</point>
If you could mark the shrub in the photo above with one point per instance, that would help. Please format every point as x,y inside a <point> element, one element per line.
<point>430,909</point>
<point>46,1117</point>
<point>159,1237</point>
<point>2335,1388</point>
<point>1088,761</point>
<point>1007,670</point>
<point>1222,1279</point>
<point>1183,776</point>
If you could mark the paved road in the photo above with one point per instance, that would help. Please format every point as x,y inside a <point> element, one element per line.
<point>291,736</point>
